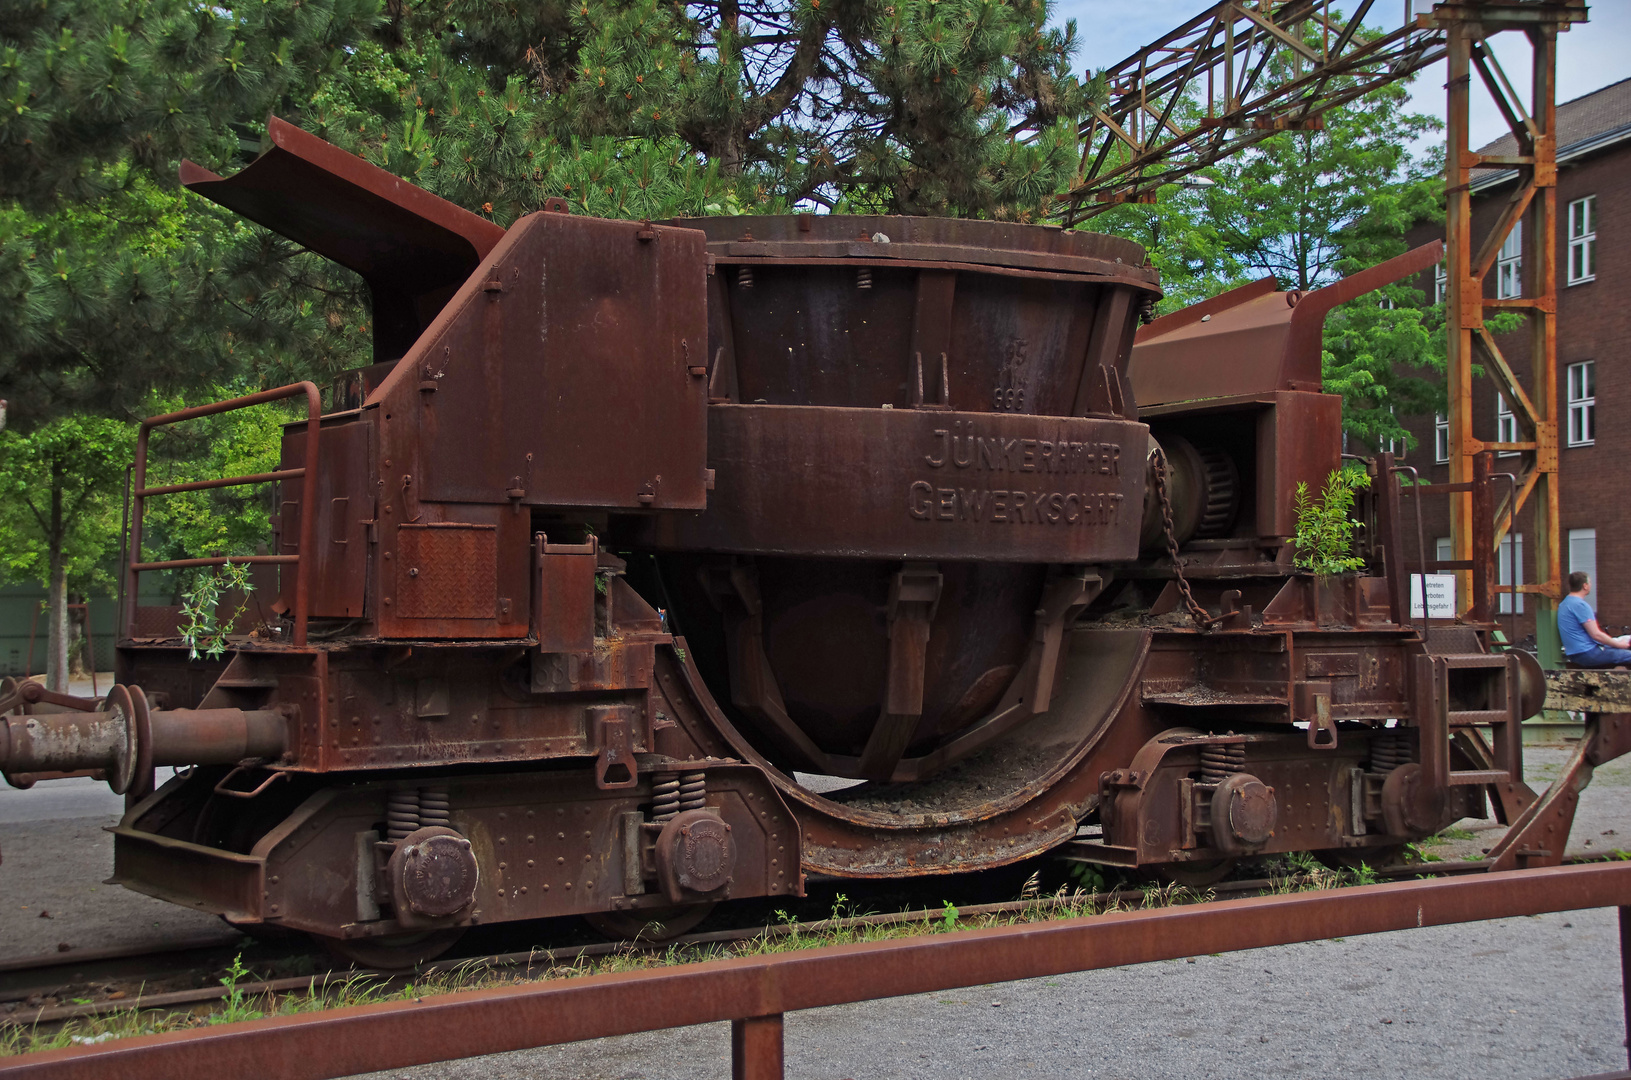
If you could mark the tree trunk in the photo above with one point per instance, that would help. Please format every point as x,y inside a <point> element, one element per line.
<point>56,636</point>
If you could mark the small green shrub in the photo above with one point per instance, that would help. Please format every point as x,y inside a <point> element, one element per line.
<point>1324,540</point>
<point>202,631</point>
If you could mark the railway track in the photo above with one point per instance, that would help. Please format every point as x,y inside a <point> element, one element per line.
<point>56,989</point>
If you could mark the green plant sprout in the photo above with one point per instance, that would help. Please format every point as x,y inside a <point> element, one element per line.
<point>201,630</point>
<point>1324,539</point>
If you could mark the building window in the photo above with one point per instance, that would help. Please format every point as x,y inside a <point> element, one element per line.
<point>1509,267</point>
<point>1506,425</point>
<point>1443,549</point>
<point>1583,403</point>
<point>1583,240</point>
<point>1583,556</point>
<point>1509,571</point>
<point>1441,283</point>
<point>1395,445</point>
<point>1441,438</point>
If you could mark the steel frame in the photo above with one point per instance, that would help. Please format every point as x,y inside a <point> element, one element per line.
<point>755,992</point>
<point>1533,207</point>
<point>1251,68</point>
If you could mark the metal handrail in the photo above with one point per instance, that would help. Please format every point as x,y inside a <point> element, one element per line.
<point>1421,543</point>
<point>307,474</point>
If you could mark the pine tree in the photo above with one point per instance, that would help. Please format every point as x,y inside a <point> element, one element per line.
<point>113,283</point>
<point>640,108</point>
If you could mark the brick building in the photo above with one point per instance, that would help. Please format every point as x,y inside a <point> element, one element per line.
<point>1593,355</point>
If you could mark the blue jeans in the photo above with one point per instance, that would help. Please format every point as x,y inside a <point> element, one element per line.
<point>1601,656</point>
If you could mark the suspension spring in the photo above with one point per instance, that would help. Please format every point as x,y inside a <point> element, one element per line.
<point>435,808</point>
<point>1389,750</point>
<point>1221,760</point>
<point>693,791</point>
<point>863,277</point>
<point>665,796</point>
<point>744,277</point>
<point>401,814</point>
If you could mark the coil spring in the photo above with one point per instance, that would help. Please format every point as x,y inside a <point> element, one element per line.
<point>693,791</point>
<point>1220,760</point>
<point>863,278</point>
<point>665,796</point>
<point>401,814</point>
<point>435,808</point>
<point>744,277</point>
<point>1389,750</point>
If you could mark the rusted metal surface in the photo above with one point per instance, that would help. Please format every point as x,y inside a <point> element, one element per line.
<point>1254,339</point>
<point>412,248</point>
<point>758,990</point>
<point>638,522</point>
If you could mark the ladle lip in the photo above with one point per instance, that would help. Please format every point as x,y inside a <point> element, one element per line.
<point>819,237</point>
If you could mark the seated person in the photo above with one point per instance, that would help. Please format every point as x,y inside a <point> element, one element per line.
<point>1584,642</point>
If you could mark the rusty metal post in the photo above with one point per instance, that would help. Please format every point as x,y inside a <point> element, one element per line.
<point>1533,211</point>
<point>756,1045</point>
<point>1464,309</point>
<point>1625,973</point>
<point>1482,541</point>
<point>1541,239</point>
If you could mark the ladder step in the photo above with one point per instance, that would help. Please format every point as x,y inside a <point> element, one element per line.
<point>1479,777</point>
<point>1474,717</point>
<point>1462,661</point>
<point>247,684</point>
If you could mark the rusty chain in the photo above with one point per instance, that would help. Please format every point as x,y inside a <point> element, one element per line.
<point>1203,620</point>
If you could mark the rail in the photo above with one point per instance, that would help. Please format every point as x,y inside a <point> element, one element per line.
<point>755,992</point>
<point>307,474</point>
<point>1481,566</point>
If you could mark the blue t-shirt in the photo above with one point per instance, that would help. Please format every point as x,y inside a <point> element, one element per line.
<point>1572,616</point>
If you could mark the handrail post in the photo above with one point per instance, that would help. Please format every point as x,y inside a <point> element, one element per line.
<point>1483,540</point>
<point>308,514</point>
<point>1625,972</point>
<point>756,1047</point>
<point>138,480</point>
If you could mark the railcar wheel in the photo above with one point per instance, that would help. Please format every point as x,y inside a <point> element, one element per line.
<point>1192,875</point>
<point>393,952</point>
<point>649,924</point>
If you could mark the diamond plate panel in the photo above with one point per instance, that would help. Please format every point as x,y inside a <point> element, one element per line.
<point>447,570</point>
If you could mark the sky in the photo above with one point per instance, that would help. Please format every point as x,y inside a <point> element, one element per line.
<point>1588,57</point>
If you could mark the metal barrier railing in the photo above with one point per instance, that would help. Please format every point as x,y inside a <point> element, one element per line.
<point>308,519</point>
<point>753,992</point>
<point>1480,567</point>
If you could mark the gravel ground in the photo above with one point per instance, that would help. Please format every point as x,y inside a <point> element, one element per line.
<point>1456,1001</point>
<point>56,859</point>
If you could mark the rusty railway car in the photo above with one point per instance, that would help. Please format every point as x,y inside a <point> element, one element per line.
<point>634,528</point>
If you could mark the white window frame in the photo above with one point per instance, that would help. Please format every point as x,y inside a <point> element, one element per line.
<point>1396,447</point>
<point>1510,544</point>
<point>1583,240</point>
<point>1583,556</point>
<point>1509,266</point>
<point>1582,397</point>
<point>1441,438</point>
<point>1441,283</point>
<point>1506,426</point>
